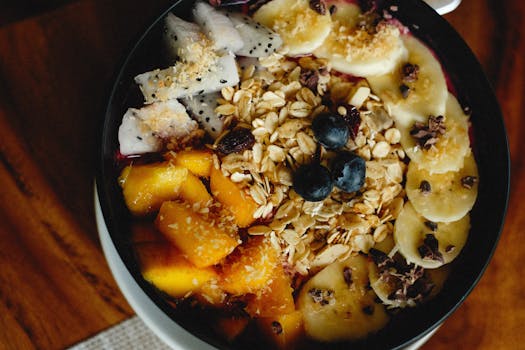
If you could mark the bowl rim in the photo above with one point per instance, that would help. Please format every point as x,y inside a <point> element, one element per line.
<point>103,191</point>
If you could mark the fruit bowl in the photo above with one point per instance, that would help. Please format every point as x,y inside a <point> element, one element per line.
<point>181,327</point>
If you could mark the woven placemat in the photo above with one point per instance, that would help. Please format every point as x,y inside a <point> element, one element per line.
<point>130,334</point>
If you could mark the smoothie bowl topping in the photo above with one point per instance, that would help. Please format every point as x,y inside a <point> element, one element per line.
<point>312,175</point>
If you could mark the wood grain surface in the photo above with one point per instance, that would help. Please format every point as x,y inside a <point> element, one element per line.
<point>55,71</point>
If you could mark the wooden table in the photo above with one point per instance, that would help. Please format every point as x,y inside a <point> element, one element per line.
<point>55,70</point>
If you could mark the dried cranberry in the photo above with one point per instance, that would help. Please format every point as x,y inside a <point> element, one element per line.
<point>310,79</point>
<point>236,141</point>
<point>352,118</point>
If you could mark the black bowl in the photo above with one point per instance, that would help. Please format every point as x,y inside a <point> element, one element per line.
<point>489,143</point>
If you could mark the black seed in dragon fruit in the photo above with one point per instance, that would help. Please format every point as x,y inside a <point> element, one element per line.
<point>181,81</point>
<point>202,108</point>
<point>259,41</point>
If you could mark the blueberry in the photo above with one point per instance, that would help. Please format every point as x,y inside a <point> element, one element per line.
<point>313,182</point>
<point>330,130</point>
<point>348,171</point>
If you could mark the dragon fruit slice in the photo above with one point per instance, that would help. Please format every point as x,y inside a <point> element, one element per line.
<point>188,79</point>
<point>259,40</point>
<point>218,27</point>
<point>185,40</point>
<point>142,130</point>
<point>135,137</point>
<point>202,108</point>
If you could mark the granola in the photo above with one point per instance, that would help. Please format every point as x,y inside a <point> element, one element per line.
<point>280,109</point>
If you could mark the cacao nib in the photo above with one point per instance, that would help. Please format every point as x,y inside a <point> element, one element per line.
<point>419,290</point>
<point>437,124</point>
<point>321,296</point>
<point>410,73</point>
<point>347,275</point>
<point>425,187</point>
<point>430,249</point>
<point>405,90</point>
<point>431,225</point>
<point>398,295</point>
<point>236,141</point>
<point>332,10</point>
<point>415,273</point>
<point>318,6</point>
<point>380,259</point>
<point>277,328</point>
<point>469,181</point>
<point>427,134</point>
<point>408,283</point>
<point>368,310</point>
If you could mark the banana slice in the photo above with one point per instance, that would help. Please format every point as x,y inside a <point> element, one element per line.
<point>337,305</point>
<point>425,90</point>
<point>358,51</point>
<point>443,197</point>
<point>418,290</point>
<point>301,28</point>
<point>450,148</point>
<point>416,238</point>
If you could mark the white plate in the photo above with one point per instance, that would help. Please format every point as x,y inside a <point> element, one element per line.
<point>443,6</point>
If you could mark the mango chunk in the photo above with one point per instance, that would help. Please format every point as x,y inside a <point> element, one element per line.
<point>241,205</point>
<point>145,187</point>
<point>198,161</point>
<point>230,327</point>
<point>203,238</point>
<point>193,190</point>
<point>274,299</point>
<point>164,266</point>
<point>283,331</point>
<point>250,267</point>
